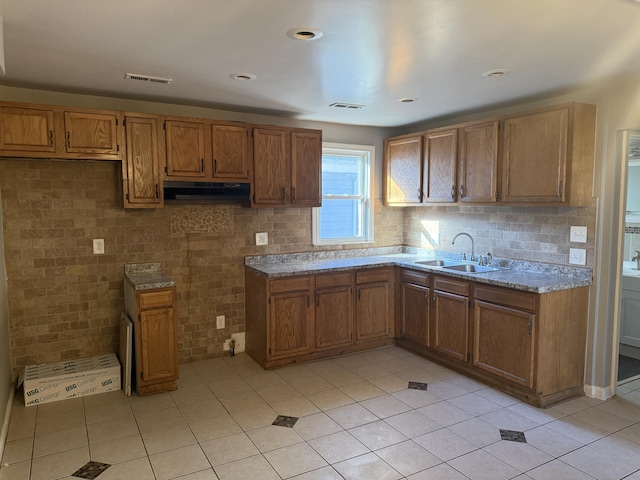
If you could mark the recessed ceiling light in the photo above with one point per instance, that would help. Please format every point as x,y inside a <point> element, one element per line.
<point>243,76</point>
<point>304,34</point>
<point>407,100</point>
<point>497,72</point>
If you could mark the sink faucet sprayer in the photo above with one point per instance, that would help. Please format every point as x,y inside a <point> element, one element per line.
<point>464,257</point>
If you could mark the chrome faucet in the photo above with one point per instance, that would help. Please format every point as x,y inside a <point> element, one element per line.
<point>464,257</point>
<point>637,259</point>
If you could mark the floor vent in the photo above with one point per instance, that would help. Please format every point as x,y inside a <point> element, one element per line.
<point>147,78</point>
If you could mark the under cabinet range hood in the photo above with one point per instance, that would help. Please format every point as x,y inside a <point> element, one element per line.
<point>205,191</point>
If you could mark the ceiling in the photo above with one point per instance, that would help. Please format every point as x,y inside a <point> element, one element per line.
<point>371,52</point>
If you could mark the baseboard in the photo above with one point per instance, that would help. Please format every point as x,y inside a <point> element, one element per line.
<point>601,393</point>
<point>7,418</point>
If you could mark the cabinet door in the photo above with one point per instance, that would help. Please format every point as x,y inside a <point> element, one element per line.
<point>290,324</point>
<point>158,341</point>
<point>503,342</point>
<point>535,157</point>
<point>630,318</point>
<point>403,170</point>
<point>478,162</point>
<point>142,164</point>
<point>185,149</point>
<point>230,152</point>
<point>373,315</point>
<point>91,133</point>
<point>306,168</point>
<point>451,325</point>
<point>414,320</point>
<point>27,130</point>
<point>271,166</point>
<point>440,157</point>
<point>334,317</point>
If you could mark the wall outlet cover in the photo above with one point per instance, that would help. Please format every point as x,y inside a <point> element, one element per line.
<point>262,238</point>
<point>578,234</point>
<point>98,246</point>
<point>239,338</point>
<point>220,322</point>
<point>578,256</point>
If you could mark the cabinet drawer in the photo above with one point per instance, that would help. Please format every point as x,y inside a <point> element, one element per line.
<point>154,299</point>
<point>375,275</point>
<point>451,286</point>
<point>506,296</point>
<point>333,280</point>
<point>291,284</point>
<point>417,278</point>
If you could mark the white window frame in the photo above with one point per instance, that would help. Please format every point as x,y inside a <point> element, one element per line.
<point>369,152</point>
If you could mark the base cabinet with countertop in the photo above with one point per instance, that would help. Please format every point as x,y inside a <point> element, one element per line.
<point>150,303</point>
<point>307,317</point>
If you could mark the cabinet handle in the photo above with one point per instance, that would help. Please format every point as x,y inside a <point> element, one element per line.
<point>461,191</point>
<point>317,299</point>
<point>157,191</point>
<point>359,294</point>
<point>215,165</point>
<point>419,194</point>
<point>560,185</point>
<point>202,165</point>
<point>68,139</point>
<point>51,142</point>
<point>283,197</point>
<point>308,301</point>
<point>453,191</point>
<point>293,193</point>
<point>530,326</point>
<point>426,298</point>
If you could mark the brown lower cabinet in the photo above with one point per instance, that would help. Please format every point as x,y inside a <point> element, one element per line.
<point>302,318</point>
<point>155,338</point>
<point>527,344</point>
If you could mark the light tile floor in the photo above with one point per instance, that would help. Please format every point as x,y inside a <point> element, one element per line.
<point>357,420</point>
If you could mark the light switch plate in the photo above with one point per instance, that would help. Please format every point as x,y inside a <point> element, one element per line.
<point>578,256</point>
<point>98,246</point>
<point>262,238</point>
<point>578,234</point>
<point>220,322</point>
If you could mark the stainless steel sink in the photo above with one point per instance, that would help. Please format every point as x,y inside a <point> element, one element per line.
<point>471,268</point>
<point>438,263</point>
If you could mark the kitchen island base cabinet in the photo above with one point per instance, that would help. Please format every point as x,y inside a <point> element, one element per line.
<point>309,317</point>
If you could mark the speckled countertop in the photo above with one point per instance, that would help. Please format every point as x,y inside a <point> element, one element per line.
<point>529,276</point>
<point>147,276</point>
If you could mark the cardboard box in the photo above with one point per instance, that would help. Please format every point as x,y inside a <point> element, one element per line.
<point>69,379</point>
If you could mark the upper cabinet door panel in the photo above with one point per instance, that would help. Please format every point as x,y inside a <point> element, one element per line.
<point>143,178</point>
<point>91,133</point>
<point>535,157</point>
<point>230,152</point>
<point>271,166</point>
<point>440,157</point>
<point>27,130</point>
<point>306,168</point>
<point>403,170</point>
<point>478,162</point>
<point>185,149</point>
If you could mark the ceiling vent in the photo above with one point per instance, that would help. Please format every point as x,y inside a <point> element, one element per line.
<point>352,106</point>
<point>147,78</point>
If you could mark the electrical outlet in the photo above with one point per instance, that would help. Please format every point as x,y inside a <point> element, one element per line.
<point>239,338</point>
<point>220,322</point>
<point>98,246</point>
<point>578,256</point>
<point>262,238</point>
<point>578,234</point>
<point>225,345</point>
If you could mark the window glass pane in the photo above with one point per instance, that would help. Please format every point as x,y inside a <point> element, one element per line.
<point>340,218</point>
<point>341,175</point>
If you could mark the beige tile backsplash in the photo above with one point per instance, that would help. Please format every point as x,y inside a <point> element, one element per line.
<point>64,302</point>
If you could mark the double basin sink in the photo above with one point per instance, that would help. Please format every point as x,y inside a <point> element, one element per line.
<point>455,266</point>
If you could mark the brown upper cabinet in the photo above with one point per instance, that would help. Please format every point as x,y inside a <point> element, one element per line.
<point>185,145</point>
<point>548,156</point>
<point>287,167</point>
<point>142,185</point>
<point>54,132</point>
<point>231,156</point>
<point>445,165</point>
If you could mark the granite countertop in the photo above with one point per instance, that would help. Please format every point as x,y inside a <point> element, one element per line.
<point>147,276</point>
<point>521,275</point>
<point>629,269</point>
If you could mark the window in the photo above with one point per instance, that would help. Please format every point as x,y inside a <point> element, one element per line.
<point>346,215</point>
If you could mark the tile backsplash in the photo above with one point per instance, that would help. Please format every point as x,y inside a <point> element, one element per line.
<point>631,240</point>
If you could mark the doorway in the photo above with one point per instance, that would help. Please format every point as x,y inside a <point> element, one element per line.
<point>629,322</point>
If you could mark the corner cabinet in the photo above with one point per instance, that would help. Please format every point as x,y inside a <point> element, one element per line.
<point>287,166</point>
<point>155,338</point>
<point>548,156</point>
